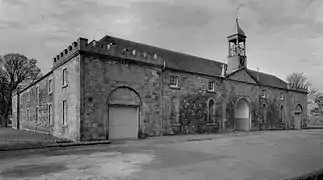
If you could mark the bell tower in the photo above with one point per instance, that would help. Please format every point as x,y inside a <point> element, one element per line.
<point>237,49</point>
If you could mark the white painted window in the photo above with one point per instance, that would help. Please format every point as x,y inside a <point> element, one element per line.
<point>211,86</point>
<point>281,96</point>
<point>263,94</point>
<point>173,81</point>
<point>65,77</point>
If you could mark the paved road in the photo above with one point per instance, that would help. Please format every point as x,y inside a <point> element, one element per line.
<point>265,155</point>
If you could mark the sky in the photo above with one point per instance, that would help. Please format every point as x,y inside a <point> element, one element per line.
<point>283,36</point>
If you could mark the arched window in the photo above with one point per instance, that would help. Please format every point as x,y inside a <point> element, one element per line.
<point>174,110</point>
<point>264,113</point>
<point>282,114</point>
<point>211,112</point>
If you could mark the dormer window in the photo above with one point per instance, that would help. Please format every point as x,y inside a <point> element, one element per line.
<point>263,94</point>
<point>281,96</point>
<point>109,46</point>
<point>211,86</point>
<point>173,81</point>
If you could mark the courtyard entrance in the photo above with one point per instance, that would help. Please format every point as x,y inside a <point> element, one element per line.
<point>123,120</point>
<point>242,116</point>
<point>298,117</point>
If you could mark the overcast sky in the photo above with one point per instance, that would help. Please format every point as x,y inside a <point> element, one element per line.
<point>284,36</point>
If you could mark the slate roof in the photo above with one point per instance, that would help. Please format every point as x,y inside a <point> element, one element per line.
<point>174,60</point>
<point>237,30</point>
<point>185,62</point>
<point>267,79</point>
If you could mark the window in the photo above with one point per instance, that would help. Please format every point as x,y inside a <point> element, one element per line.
<point>211,111</point>
<point>65,112</point>
<point>263,95</point>
<point>36,114</point>
<point>264,113</point>
<point>65,77</point>
<point>50,84</point>
<point>27,114</point>
<point>211,86</point>
<point>281,96</point>
<point>282,114</point>
<point>173,81</point>
<point>50,114</point>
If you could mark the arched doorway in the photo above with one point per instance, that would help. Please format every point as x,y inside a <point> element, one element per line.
<point>298,117</point>
<point>123,109</point>
<point>242,116</point>
<point>282,114</point>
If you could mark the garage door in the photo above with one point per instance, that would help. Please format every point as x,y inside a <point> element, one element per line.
<point>123,122</point>
<point>297,121</point>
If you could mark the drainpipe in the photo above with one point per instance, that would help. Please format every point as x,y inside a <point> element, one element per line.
<point>162,97</point>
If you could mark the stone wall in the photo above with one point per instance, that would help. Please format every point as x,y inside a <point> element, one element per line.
<point>293,99</point>
<point>265,111</point>
<point>69,93</point>
<point>33,107</point>
<point>101,76</point>
<point>185,109</point>
<point>14,110</point>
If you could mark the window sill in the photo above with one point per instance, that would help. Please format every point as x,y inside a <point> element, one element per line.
<point>174,87</point>
<point>212,124</point>
<point>64,86</point>
<point>211,91</point>
<point>177,124</point>
<point>50,93</point>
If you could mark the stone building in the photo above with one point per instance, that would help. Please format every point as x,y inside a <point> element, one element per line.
<point>114,88</point>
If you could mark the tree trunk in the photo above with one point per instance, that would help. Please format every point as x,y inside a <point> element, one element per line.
<point>6,114</point>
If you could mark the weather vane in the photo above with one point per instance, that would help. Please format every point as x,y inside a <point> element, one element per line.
<point>237,12</point>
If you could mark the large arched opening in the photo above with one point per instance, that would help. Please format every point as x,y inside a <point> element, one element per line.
<point>242,116</point>
<point>298,117</point>
<point>123,109</point>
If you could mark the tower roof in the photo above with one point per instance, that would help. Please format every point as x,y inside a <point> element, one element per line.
<point>237,30</point>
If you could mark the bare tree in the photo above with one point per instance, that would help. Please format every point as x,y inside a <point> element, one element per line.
<point>15,69</point>
<point>299,79</point>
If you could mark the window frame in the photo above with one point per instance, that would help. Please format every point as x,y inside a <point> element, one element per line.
<point>264,93</point>
<point>50,119</point>
<point>64,77</point>
<point>64,106</point>
<point>176,81</point>
<point>50,86</point>
<point>281,96</point>
<point>36,113</point>
<point>213,86</point>
<point>209,121</point>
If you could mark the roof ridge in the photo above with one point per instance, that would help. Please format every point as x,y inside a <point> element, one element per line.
<point>267,74</point>
<point>160,48</point>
